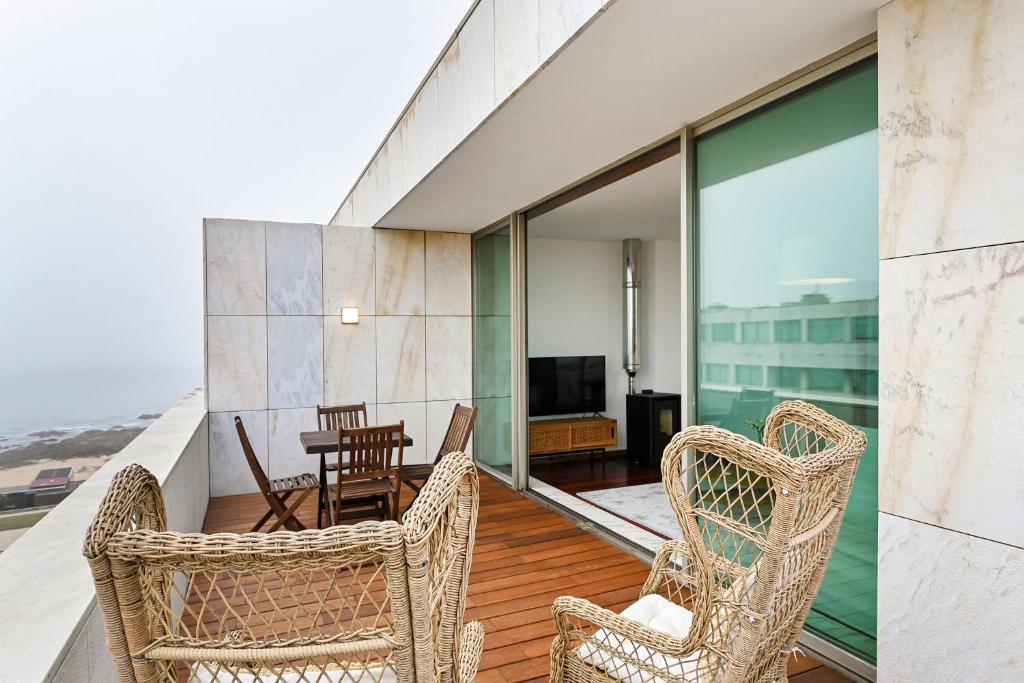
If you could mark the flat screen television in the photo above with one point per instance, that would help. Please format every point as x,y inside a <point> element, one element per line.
<point>564,385</point>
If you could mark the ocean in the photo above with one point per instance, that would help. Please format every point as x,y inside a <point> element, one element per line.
<point>71,402</point>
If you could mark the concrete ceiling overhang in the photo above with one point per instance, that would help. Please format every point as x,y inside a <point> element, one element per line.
<point>642,70</point>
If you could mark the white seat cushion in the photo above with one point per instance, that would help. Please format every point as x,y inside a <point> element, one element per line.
<point>658,614</point>
<point>204,673</point>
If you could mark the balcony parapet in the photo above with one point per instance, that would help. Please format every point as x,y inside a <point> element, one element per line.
<point>54,630</point>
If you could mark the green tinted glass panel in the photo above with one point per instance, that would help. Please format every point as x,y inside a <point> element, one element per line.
<point>822,330</point>
<point>865,327</point>
<point>723,332</point>
<point>787,233</point>
<point>492,357</point>
<point>787,331</point>
<point>754,333</point>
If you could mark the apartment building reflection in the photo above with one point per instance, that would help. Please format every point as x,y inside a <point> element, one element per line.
<point>814,349</point>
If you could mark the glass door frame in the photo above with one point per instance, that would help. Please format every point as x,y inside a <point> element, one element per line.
<point>685,137</point>
<point>515,223</point>
<point>859,51</point>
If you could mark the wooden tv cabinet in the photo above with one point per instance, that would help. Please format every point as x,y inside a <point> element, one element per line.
<point>573,435</point>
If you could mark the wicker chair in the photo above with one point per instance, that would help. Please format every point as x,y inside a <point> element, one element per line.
<point>727,601</point>
<point>347,603</point>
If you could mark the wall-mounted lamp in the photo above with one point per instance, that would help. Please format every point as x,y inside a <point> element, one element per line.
<point>349,316</point>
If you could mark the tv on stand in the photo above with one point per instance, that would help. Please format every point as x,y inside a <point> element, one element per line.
<point>564,386</point>
<point>567,385</point>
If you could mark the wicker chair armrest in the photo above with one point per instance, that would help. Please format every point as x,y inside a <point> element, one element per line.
<point>470,651</point>
<point>257,549</point>
<point>566,609</point>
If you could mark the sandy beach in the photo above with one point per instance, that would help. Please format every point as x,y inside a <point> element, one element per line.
<point>84,453</point>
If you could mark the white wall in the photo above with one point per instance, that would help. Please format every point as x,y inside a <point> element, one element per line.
<point>575,309</point>
<point>951,140</point>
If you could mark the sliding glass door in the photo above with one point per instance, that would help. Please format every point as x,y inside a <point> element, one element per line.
<point>787,296</point>
<point>492,342</point>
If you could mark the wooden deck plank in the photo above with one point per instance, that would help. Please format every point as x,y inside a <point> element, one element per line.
<point>525,556</point>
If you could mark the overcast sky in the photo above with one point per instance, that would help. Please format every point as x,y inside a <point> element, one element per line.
<point>123,124</point>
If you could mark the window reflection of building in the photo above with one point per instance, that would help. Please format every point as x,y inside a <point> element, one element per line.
<point>813,349</point>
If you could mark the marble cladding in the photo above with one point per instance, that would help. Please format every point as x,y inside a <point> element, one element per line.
<point>295,361</point>
<point>449,368</point>
<point>236,267</point>
<point>559,19</point>
<point>516,44</point>
<point>285,457</point>
<point>415,416</point>
<point>350,361</point>
<point>949,605</point>
<point>294,269</point>
<point>401,359</point>
<point>951,385</point>
<point>951,365</point>
<point>273,365</point>
<point>236,360</point>
<point>500,46</point>
<point>400,272</point>
<point>348,258</point>
<point>229,469</point>
<point>951,88</point>
<point>465,80</point>
<point>449,281</point>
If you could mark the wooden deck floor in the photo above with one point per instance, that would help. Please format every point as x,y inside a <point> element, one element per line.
<point>525,557</point>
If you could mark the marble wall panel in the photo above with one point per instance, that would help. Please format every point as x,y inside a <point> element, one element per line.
<point>286,457</point>
<point>236,267</point>
<point>449,369</point>
<point>559,20</point>
<point>350,361</point>
<point>295,361</point>
<point>229,471</point>
<point>951,88</point>
<point>236,360</point>
<point>952,389</point>
<point>465,79</point>
<point>349,269</point>
<point>949,605</point>
<point>416,135</point>
<point>294,269</point>
<point>516,44</point>
<point>401,359</point>
<point>415,416</point>
<point>344,215</point>
<point>400,273</point>
<point>449,274</point>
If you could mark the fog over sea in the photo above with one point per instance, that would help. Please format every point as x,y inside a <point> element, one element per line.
<point>36,405</point>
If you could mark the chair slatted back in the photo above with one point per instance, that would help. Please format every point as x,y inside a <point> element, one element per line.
<point>341,417</point>
<point>459,430</point>
<point>255,467</point>
<point>373,452</point>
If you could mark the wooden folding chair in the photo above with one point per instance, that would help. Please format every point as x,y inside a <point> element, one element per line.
<point>455,439</point>
<point>372,473</point>
<point>277,491</point>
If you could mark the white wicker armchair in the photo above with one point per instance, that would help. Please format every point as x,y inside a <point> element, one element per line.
<point>728,600</point>
<point>374,602</point>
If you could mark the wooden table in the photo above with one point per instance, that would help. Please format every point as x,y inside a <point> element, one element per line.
<point>327,441</point>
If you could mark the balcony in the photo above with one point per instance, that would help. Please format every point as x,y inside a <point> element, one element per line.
<point>526,555</point>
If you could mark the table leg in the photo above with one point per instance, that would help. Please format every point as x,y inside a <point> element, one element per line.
<point>322,507</point>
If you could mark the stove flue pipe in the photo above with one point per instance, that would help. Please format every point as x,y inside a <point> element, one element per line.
<point>631,310</point>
